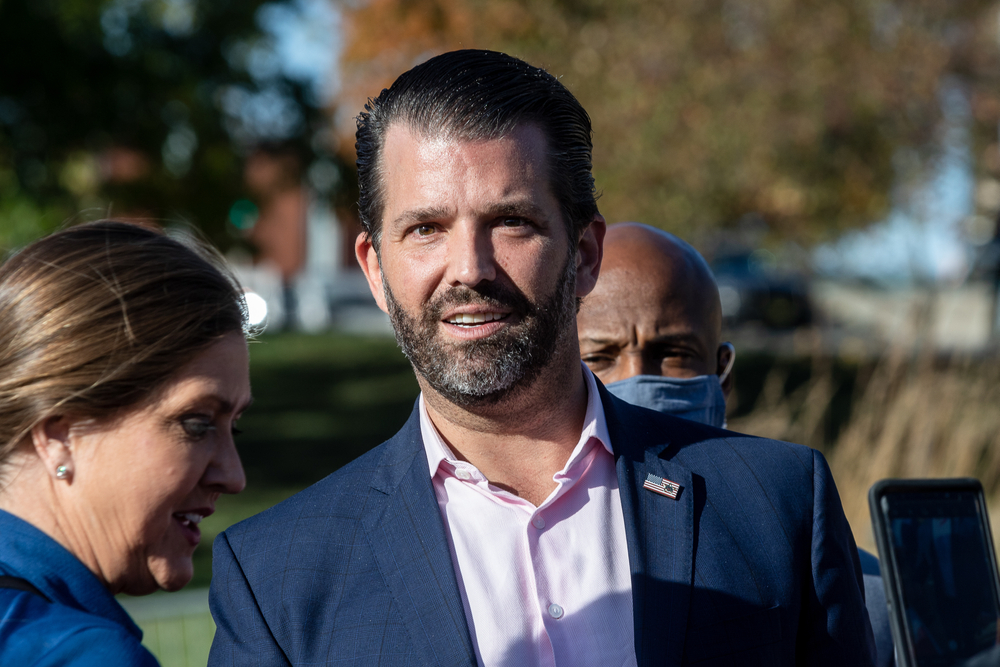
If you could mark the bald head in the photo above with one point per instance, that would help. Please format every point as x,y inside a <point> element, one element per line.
<point>655,309</point>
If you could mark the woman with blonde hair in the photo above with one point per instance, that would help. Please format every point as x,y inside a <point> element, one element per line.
<point>123,370</point>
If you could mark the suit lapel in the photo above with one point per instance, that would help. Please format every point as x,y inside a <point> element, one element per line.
<point>659,530</point>
<point>406,533</point>
<point>419,573</point>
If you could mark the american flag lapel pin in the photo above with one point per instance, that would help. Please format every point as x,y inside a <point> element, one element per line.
<point>664,487</point>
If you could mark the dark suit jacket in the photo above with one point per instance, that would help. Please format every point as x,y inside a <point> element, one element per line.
<point>753,563</point>
<point>878,609</point>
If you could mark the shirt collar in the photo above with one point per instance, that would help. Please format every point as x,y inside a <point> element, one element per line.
<point>594,426</point>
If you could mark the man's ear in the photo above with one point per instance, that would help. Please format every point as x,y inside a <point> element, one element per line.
<point>51,440</point>
<point>725,360</point>
<point>369,261</point>
<point>589,254</point>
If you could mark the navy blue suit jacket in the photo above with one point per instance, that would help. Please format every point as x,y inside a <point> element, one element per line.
<point>753,564</point>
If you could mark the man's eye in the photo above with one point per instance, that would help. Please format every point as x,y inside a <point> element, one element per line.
<point>513,222</point>
<point>597,361</point>
<point>669,352</point>
<point>197,427</point>
<point>423,230</point>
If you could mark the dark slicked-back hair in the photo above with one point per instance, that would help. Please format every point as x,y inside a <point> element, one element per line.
<point>479,95</point>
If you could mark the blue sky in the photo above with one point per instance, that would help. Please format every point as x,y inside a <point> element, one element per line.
<point>921,238</point>
<point>307,41</point>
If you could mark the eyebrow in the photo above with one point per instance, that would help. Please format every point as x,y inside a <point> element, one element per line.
<point>601,341</point>
<point>419,214</point>
<point>519,208</point>
<point>676,338</point>
<point>667,338</point>
<point>226,406</point>
<point>515,208</point>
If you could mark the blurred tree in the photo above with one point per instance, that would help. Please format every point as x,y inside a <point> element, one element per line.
<point>707,112</point>
<point>140,108</point>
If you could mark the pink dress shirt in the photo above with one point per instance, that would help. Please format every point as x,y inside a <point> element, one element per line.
<point>546,585</point>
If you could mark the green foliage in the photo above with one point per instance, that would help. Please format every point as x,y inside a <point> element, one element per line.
<point>706,111</point>
<point>321,401</point>
<point>132,107</point>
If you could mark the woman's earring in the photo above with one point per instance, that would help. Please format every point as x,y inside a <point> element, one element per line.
<point>62,472</point>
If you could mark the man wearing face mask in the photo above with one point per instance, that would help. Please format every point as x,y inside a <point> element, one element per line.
<point>651,331</point>
<point>651,328</point>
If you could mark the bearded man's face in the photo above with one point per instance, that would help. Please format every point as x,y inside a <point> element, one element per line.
<point>485,370</point>
<point>475,265</point>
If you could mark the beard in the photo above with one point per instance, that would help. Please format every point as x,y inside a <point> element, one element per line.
<point>486,371</point>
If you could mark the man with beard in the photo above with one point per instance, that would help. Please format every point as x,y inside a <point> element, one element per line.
<point>523,516</point>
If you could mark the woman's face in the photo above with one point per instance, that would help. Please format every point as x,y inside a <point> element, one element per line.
<point>142,483</point>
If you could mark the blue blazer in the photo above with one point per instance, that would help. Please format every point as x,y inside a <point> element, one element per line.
<point>753,563</point>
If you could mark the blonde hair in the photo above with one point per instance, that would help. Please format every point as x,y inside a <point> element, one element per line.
<point>96,318</point>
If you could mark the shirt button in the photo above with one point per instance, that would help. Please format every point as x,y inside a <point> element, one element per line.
<point>538,522</point>
<point>555,611</point>
<point>462,473</point>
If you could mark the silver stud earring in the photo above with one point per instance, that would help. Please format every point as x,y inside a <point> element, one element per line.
<point>62,472</point>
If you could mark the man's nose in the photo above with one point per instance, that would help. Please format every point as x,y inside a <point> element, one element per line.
<point>471,257</point>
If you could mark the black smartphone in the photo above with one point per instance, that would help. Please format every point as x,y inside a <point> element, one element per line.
<point>939,569</point>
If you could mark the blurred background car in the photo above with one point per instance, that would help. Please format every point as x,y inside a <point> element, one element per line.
<point>752,289</point>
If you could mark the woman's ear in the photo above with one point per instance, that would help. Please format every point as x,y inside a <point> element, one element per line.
<point>51,439</point>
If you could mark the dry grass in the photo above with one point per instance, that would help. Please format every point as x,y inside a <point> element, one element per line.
<point>912,415</point>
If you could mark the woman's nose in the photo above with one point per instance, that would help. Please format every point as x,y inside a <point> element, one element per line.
<point>226,471</point>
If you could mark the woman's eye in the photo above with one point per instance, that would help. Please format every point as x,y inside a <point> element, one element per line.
<point>197,427</point>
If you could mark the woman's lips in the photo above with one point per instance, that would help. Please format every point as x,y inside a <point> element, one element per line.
<point>188,523</point>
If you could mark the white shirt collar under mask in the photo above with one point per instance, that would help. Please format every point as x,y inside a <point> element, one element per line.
<point>699,398</point>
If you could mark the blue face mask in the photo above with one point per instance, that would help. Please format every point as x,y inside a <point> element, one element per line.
<point>699,398</point>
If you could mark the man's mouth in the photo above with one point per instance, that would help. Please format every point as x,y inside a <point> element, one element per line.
<point>471,319</point>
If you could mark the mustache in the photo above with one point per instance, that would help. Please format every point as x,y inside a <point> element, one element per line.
<point>490,294</point>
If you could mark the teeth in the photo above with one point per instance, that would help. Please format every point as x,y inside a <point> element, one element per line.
<point>474,318</point>
<point>190,517</point>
